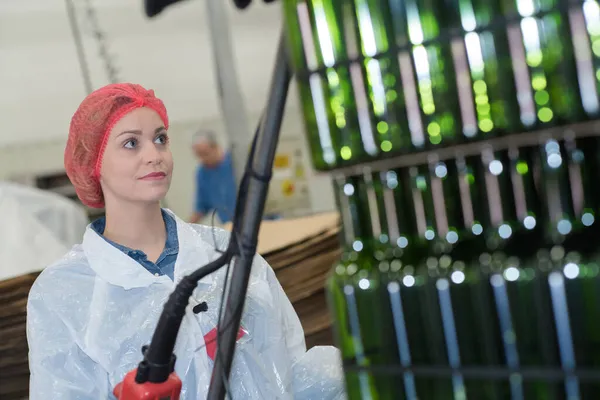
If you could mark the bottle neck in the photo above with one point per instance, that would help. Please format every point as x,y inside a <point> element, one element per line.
<point>497,193</point>
<point>583,165</point>
<point>567,191</point>
<point>556,194</point>
<point>526,197</point>
<point>400,223</point>
<point>358,208</point>
<point>436,209</point>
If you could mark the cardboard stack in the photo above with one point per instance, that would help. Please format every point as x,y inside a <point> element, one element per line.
<point>301,252</point>
<point>14,369</point>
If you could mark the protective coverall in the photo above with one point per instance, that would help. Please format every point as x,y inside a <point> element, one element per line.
<point>90,313</point>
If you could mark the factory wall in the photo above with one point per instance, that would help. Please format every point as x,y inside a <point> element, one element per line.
<point>41,83</point>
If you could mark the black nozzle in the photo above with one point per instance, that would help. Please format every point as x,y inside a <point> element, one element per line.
<point>155,7</point>
<point>159,360</point>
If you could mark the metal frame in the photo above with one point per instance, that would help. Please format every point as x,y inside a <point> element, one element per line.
<point>247,234</point>
<point>499,143</point>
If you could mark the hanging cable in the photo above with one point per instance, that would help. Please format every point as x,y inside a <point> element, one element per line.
<point>79,48</point>
<point>100,37</point>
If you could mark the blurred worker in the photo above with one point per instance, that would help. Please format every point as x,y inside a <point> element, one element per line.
<point>90,313</point>
<point>215,179</point>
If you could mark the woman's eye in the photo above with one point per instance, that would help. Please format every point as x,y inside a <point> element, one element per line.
<point>162,139</point>
<point>130,144</point>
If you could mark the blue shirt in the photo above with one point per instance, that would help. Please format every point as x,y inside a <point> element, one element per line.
<point>165,264</point>
<point>216,189</point>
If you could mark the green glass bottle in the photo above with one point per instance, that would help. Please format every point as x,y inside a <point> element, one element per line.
<point>487,203</point>
<point>398,219</point>
<point>573,284</point>
<point>573,236</point>
<point>349,87</point>
<point>484,72</point>
<point>542,56</point>
<point>374,35</point>
<point>461,302</point>
<point>478,335</point>
<point>583,159</point>
<point>407,75</point>
<point>524,308</point>
<point>329,97</point>
<point>559,211</point>
<point>533,284</point>
<point>474,210</point>
<point>359,300</point>
<point>499,199</point>
<point>524,299</point>
<point>580,282</point>
<point>447,208</point>
<point>437,213</point>
<point>418,344</point>
<point>372,189</point>
<point>585,35</point>
<point>422,22</point>
<point>500,206</point>
<point>526,196</point>
<point>446,290</point>
<point>422,202</point>
<point>512,202</point>
<point>466,304</point>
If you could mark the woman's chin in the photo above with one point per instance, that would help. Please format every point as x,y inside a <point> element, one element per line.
<point>155,196</point>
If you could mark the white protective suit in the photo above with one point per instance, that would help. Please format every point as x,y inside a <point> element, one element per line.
<point>90,313</point>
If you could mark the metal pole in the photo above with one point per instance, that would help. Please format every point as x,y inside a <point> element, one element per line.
<point>85,71</point>
<point>233,110</point>
<point>258,186</point>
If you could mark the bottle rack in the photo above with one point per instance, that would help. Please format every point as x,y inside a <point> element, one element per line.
<point>511,141</point>
<point>420,148</point>
<point>497,23</point>
<point>484,373</point>
<point>573,379</point>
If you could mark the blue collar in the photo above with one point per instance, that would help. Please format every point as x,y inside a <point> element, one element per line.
<point>171,244</point>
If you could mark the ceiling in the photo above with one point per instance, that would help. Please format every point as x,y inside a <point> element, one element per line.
<point>41,79</point>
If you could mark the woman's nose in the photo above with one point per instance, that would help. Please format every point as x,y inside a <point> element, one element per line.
<point>152,155</point>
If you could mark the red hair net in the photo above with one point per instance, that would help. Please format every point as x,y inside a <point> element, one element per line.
<point>90,127</point>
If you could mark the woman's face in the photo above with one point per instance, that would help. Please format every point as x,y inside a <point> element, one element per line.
<point>137,164</point>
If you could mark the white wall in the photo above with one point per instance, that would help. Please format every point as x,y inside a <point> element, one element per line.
<point>41,83</point>
<point>40,76</point>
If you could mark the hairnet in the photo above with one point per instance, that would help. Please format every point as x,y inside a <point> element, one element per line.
<point>90,127</point>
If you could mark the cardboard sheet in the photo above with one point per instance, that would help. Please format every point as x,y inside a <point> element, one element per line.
<point>274,235</point>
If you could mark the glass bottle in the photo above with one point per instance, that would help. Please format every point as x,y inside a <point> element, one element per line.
<point>331,104</point>
<point>418,24</point>
<point>359,300</point>
<point>487,92</point>
<point>543,63</point>
<point>373,41</point>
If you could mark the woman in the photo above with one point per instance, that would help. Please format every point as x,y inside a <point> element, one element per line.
<point>90,313</point>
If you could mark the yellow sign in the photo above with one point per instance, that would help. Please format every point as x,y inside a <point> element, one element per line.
<point>281,161</point>
<point>288,188</point>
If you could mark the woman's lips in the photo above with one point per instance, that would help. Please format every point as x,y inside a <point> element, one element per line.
<point>154,176</point>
